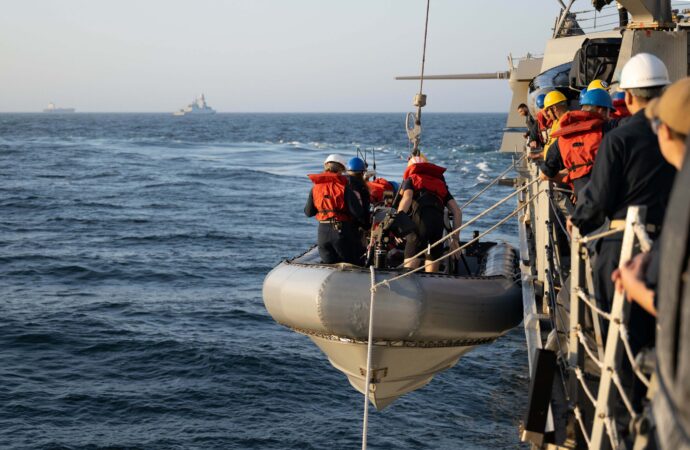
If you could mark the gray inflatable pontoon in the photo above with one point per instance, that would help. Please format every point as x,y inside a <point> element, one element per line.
<point>422,325</point>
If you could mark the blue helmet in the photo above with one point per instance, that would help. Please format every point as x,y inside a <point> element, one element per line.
<point>356,165</point>
<point>395,185</point>
<point>597,97</point>
<point>619,95</point>
<point>540,101</point>
<point>582,94</point>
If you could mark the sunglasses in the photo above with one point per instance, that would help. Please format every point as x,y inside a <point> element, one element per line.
<point>655,123</point>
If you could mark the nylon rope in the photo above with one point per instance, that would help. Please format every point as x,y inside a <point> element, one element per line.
<point>582,295</point>
<point>365,419</point>
<point>623,330</point>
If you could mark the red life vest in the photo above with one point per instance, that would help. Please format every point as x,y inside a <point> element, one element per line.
<point>544,122</point>
<point>621,110</point>
<point>427,177</point>
<point>578,140</point>
<point>377,188</point>
<point>328,195</point>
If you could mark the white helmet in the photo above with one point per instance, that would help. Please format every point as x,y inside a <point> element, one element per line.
<point>336,158</point>
<point>643,71</point>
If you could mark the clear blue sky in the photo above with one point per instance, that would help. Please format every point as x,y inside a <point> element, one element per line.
<point>260,55</point>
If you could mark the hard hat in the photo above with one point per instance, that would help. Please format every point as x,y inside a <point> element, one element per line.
<point>598,84</point>
<point>540,101</point>
<point>356,165</point>
<point>618,95</point>
<point>553,98</point>
<point>597,97</point>
<point>416,160</point>
<point>582,94</point>
<point>643,71</point>
<point>336,158</point>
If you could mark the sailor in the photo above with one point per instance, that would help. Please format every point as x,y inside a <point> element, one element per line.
<point>532,135</point>
<point>555,106</point>
<point>578,139</point>
<point>337,209</point>
<point>379,189</point>
<point>629,170</point>
<point>543,120</point>
<point>670,119</point>
<point>598,84</point>
<point>672,339</point>
<point>355,172</point>
<point>621,110</point>
<point>425,195</point>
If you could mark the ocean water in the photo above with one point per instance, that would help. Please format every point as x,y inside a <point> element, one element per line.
<point>133,249</point>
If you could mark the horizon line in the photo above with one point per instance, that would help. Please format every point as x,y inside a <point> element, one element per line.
<point>251,112</point>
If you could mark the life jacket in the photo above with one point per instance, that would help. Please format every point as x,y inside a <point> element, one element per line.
<point>621,110</point>
<point>578,139</point>
<point>543,121</point>
<point>377,188</point>
<point>328,195</point>
<point>427,177</point>
<point>555,125</point>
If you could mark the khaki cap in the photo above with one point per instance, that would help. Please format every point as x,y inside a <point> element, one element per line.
<point>673,107</point>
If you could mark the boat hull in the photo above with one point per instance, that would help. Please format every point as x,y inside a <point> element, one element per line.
<point>423,323</point>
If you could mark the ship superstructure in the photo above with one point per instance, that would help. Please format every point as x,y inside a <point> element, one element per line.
<point>197,107</point>
<point>52,109</point>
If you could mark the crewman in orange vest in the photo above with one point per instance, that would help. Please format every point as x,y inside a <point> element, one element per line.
<point>338,211</point>
<point>577,140</point>
<point>378,188</point>
<point>425,195</point>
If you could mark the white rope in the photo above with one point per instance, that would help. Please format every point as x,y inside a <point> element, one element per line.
<point>581,378</point>
<point>583,429</point>
<point>581,338</point>
<point>459,249</point>
<point>631,358</point>
<point>611,432</point>
<point>494,181</point>
<point>477,217</point>
<point>589,301</point>
<point>603,234</point>
<point>365,420</point>
<point>626,401</point>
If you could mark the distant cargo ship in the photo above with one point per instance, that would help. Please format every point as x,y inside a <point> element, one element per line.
<point>55,110</point>
<point>198,106</point>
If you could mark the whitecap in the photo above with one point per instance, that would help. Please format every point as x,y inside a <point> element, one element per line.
<point>483,166</point>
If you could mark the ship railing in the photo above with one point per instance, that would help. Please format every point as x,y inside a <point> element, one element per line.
<point>590,339</point>
<point>593,360</point>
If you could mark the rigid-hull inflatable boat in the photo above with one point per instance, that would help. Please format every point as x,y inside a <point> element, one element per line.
<point>423,323</point>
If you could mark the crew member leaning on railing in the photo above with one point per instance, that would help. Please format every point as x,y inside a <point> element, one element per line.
<point>670,118</point>
<point>628,171</point>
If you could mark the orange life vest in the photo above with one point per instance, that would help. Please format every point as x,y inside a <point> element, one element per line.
<point>427,177</point>
<point>377,188</point>
<point>578,140</point>
<point>328,195</point>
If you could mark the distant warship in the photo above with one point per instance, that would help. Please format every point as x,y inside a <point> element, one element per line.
<point>52,109</point>
<point>198,106</point>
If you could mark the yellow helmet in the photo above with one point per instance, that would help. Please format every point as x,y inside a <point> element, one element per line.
<point>553,98</point>
<point>598,84</point>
